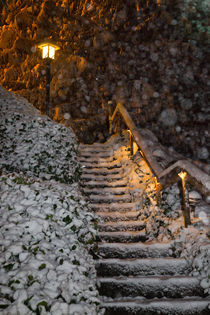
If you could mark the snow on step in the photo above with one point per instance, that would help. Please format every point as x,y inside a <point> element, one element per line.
<point>122,226</point>
<point>124,237</point>
<point>107,191</point>
<point>110,198</point>
<point>100,184</point>
<point>96,159</point>
<point>108,165</point>
<point>102,171</point>
<point>134,250</point>
<point>118,216</point>
<point>188,306</point>
<point>105,178</point>
<point>145,266</point>
<point>95,148</point>
<point>122,207</point>
<point>96,154</point>
<point>150,287</point>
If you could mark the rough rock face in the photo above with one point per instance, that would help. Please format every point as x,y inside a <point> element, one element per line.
<point>151,55</point>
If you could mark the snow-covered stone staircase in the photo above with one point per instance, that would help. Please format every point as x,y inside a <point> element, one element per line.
<point>135,276</point>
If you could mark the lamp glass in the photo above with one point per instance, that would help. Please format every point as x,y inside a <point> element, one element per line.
<point>45,50</point>
<point>51,52</point>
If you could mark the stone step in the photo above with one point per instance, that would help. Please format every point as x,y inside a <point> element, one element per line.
<point>102,178</point>
<point>107,154</point>
<point>114,206</point>
<point>113,267</point>
<point>106,191</point>
<point>121,226</point>
<point>96,159</point>
<point>135,250</point>
<point>92,148</point>
<point>111,198</point>
<point>123,237</point>
<point>104,184</point>
<point>107,165</point>
<point>187,306</point>
<point>117,216</point>
<point>102,171</point>
<point>150,287</point>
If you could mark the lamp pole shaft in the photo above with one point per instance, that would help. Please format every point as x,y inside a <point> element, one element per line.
<point>48,79</point>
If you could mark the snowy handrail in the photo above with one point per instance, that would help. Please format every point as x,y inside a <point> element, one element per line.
<point>155,167</point>
<point>170,175</point>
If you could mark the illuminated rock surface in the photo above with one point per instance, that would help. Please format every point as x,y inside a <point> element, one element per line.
<point>154,59</point>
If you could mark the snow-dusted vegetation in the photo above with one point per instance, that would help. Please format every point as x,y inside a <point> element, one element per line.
<point>46,229</point>
<point>36,145</point>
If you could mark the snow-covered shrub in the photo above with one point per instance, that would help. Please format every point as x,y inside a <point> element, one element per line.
<point>161,225</point>
<point>34,144</point>
<point>170,199</point>
<point>193,245</point>
<point>46,231</point>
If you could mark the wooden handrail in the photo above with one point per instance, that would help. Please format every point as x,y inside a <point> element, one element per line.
<point>195,176</point>
<point>166,177</point>
<point>155,167</point>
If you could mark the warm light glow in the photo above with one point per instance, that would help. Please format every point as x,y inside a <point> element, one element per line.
<point>51,52</point>
<point>182,175</point>
<point>48,50</point>
<point>45,52</point>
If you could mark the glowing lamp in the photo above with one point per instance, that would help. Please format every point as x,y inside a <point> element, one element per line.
<point>182,175</point>
<point>48,50</point>
<point>48,53</point>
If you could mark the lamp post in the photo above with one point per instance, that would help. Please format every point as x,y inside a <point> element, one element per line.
<point>48,53</point>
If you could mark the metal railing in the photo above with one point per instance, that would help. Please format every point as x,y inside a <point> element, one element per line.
<point>182,170</point>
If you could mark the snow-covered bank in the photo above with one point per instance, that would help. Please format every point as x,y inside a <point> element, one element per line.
<point>46,229</point>
<point>45,232</point>
<point>34,143</point>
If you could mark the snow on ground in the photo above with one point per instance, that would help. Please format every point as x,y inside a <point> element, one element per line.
<point>46,229</point>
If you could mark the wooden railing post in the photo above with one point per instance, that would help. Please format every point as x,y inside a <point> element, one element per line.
<point>131,143</point>
<point>185,207</point>
<point>110,116</point>
<point>157,188</point>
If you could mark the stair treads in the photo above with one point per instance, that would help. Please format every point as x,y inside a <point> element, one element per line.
<point>111,198</point>
<point>122,207</point>
<point>103,171</point>
<point>150,286</point>
<point>107,191</point>
<point>105,183</point>
<point>121,226</point>
<point>98,161</point>
<point>95,158</point>
<point>124,237</point>
<point>116,216</point>
<point>104,178</point>
<point>107,165</point>
<point>146,266</point>
<point>134,250</point>
<point>188,306</point>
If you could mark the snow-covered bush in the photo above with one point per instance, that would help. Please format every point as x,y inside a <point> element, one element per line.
<point>171,199</point>
<point>46,229</point>
<point>193,245</point>
<point>34,144</point>
<point>45,234</point>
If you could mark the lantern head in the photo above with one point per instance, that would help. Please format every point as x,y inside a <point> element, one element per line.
<point>48,50</point>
